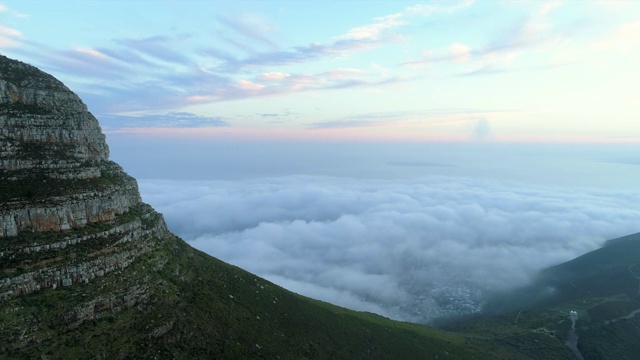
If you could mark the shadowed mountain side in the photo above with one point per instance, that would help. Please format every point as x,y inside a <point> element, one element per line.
<point>612,269</point>
<point>592,301</point>
<point>189,305</point>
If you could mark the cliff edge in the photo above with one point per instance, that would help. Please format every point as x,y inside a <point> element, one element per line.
<point>68,216</point>
<point>66,211</point>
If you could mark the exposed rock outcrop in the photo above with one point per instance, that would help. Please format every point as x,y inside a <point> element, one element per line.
<point>45,126</point>
<point>67,214</point>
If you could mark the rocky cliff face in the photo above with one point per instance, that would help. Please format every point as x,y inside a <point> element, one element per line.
<point>68,215</point>
<point>46,127</point>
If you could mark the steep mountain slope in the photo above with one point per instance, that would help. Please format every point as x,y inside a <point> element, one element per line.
<point>87,270</point>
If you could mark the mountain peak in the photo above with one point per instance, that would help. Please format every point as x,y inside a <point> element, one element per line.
<point>45,127</point>
<point>65,209</point>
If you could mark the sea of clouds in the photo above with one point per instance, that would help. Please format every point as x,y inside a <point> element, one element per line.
<point>411,249</point>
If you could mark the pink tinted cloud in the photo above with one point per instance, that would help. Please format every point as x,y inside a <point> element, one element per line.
<point>373,31</point>
<point>9,37</point>
<point>249,86</point>
<point>274,76</point>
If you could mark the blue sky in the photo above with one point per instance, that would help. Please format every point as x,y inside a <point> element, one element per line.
<point>345,70</point>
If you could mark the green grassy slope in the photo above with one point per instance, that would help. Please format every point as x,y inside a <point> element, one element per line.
<point>177,302</point>
<point>192,306</point>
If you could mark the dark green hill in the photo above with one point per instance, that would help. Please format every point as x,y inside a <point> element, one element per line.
<point>602,287</point>
<point>613,269</point>
<point>194,306</point>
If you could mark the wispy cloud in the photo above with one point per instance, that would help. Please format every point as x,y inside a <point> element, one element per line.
<point>88,62</point>
<point>151,73</point>
<point>295,55</point>
<point>276,83</point>
<point>166,120</point>
<point>6,10</point>
<point>482,129</point>
<point>156,72</point>
<point>364,120</point>
<point>379,29</point>
<point>162,48</point>
<point>370,36</point>
<point>373,31</point>
<point>251,26</point>
<point>9,37</point>
<point>418,164</point>
<point>624,38</point>
<point>498,55</point>
<point>423,118</point>
<point>339,124</point>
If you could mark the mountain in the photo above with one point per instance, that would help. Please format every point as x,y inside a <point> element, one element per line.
<point>87,270</point>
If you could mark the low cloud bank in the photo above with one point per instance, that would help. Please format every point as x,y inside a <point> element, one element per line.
<point>410,250</point>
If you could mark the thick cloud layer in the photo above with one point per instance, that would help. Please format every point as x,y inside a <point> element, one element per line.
<point>410,250</point>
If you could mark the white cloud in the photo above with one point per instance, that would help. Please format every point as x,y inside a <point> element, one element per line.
<point>624,39</point>
<point>344,73</point>
<point>410,250</point>
<point>376,30</point>
<point>428,9</point>
<point>5,9</point>
<point>252,26</point>
<point>482,129</point>
<point>274,76</point>
<point>373,31</point>
<point>460,52</point>
<point>92,53</point>
<point>9,37</point>
<point>249,85</point>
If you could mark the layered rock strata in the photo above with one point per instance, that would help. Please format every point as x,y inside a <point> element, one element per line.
<point>68,215</point>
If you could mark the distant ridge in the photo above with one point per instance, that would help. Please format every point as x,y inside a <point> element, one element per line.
<point>630,238</point>
<point>602,287</point>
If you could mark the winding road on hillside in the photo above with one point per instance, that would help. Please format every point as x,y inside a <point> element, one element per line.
<point>572,339</point>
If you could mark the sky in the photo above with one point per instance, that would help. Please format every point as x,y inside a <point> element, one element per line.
<point>347,70</point>
<point>404,158</point>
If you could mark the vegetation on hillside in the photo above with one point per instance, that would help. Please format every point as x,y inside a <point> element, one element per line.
<point>602,286</point>
<point>193,306</point>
